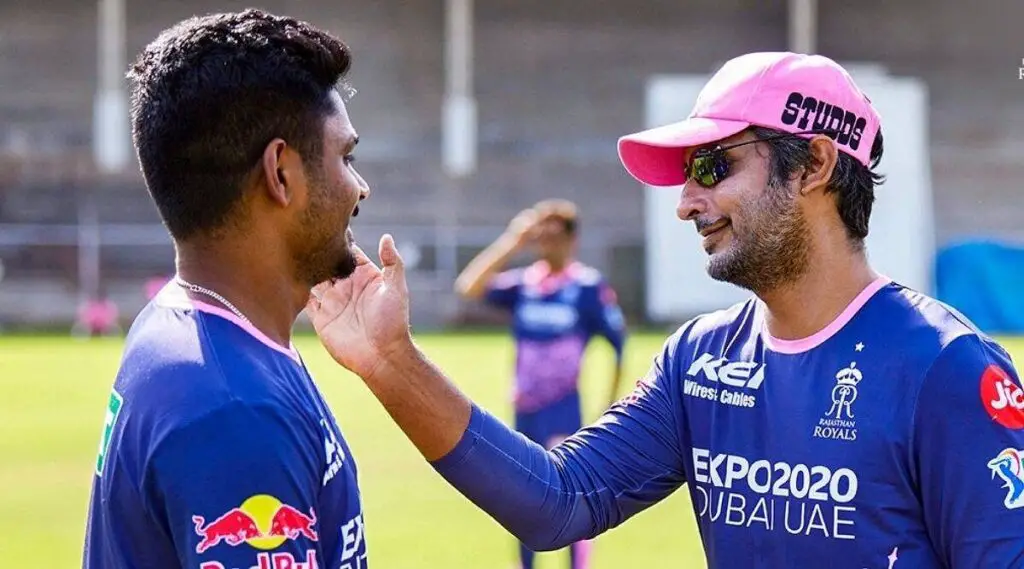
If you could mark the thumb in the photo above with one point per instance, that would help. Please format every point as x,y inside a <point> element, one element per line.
<point>391,262</point>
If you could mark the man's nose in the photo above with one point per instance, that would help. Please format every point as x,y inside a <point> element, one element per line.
<point>692,201</point>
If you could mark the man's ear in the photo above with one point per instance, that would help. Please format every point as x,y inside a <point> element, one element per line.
<point>823,161</point>
<point>279,170</point>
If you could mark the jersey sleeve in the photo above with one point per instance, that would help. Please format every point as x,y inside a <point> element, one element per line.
<point>625,462</point>
<point>237,488</point>
<point>504,289</point>
<point>969,455</point>
<point>605,316</point>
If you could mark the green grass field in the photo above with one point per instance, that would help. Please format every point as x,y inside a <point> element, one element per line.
<point>54,396</point>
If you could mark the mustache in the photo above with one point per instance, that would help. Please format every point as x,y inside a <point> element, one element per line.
<point>702,223</point>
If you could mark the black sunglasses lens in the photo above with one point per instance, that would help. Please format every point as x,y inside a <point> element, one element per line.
<point>708,168</point>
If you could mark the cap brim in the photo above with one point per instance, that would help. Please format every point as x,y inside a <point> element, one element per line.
<point>655,156</point>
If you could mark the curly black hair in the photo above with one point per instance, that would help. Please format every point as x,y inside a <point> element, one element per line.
<point>211,92</point>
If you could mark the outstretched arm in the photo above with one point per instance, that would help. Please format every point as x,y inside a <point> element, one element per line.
<point>596,479</point>
<point>593,481</point>
<point>606,319</point>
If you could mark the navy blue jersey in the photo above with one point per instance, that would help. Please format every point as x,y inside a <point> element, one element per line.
<point>218,452</point>
<point>554,317</point>
<point>894,438</point>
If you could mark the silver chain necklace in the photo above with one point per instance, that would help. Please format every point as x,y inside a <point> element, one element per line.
<point>202,290</point>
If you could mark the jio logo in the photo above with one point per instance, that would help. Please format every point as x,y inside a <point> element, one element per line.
<point>1002,397</point>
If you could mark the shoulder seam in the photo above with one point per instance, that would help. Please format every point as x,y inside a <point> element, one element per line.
<point>146,470</point>
<point>259,407</point>
<point>924,378</point>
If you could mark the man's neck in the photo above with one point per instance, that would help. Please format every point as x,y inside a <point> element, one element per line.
<point>558,265</point>
<point>253,284</point>
<point>811,302</point>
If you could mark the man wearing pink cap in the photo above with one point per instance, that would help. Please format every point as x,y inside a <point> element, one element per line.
<point>834,419</point>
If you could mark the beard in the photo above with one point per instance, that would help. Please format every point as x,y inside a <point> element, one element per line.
<point>771,250</point>
<point>343,265</point>
<point>326,250</point>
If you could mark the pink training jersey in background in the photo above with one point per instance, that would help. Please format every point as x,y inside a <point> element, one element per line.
<point>98,316</point>
<point>554,317</point>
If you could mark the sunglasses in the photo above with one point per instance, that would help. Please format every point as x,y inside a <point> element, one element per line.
<point>709,166</point>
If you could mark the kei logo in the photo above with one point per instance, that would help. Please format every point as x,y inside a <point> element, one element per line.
<point>747,375</point>
<point>726,382</point>
<point>1009,465</point>
<point>1002,397</point>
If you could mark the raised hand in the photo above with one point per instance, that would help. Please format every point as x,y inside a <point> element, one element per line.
<point>364,319</point>
<point>523,227</point>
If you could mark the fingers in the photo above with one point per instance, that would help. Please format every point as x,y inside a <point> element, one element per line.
<point>528,213</point>
<point>361,257</point>
<point>524,220</point>
<point>318,291</point>
<point>393,266</point>
<point>316,295</point>
<point>338,297</point>
<point>312,310</point>
<point>328,300</point>
<point>314,304</point>
<point>387,251</point>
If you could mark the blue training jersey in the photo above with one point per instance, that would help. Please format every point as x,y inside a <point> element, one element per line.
<point>894,438</point>
<point>554,317</point>
<point>218,452</point>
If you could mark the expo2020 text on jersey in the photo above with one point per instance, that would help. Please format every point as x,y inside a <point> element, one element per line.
<point>892,439</point>
<point>218,452</point>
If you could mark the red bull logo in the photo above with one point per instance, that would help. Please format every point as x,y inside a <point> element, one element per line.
<point>266,560</point>
<point>261,521</point>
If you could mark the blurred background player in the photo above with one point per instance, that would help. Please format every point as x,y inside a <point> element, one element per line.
<point>558,304</point>
<point>97,316</point>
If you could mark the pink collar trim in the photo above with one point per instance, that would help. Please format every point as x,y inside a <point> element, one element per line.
<point>173,296</point>
<point>810,342</point>
<point>290,351</point>
<point>540,275</point>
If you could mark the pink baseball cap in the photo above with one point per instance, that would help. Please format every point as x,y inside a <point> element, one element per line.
<point>785,91</point>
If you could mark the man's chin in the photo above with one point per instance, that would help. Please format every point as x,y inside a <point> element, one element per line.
<point>340,270</point>
<point>718,261</point>
<point>723,268</point>
<point>345,267</point>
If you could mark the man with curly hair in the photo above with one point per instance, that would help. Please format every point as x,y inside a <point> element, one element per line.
<point>218,448</point>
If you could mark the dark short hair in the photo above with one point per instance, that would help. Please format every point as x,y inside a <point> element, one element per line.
<point>211,92</point>
<point>565,212</point>
<point>571,225</point>
<point>852,183</point>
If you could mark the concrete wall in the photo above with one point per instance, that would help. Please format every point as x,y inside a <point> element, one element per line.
<point>557,83</point>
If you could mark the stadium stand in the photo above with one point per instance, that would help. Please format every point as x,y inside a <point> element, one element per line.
<point>556,84</point>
